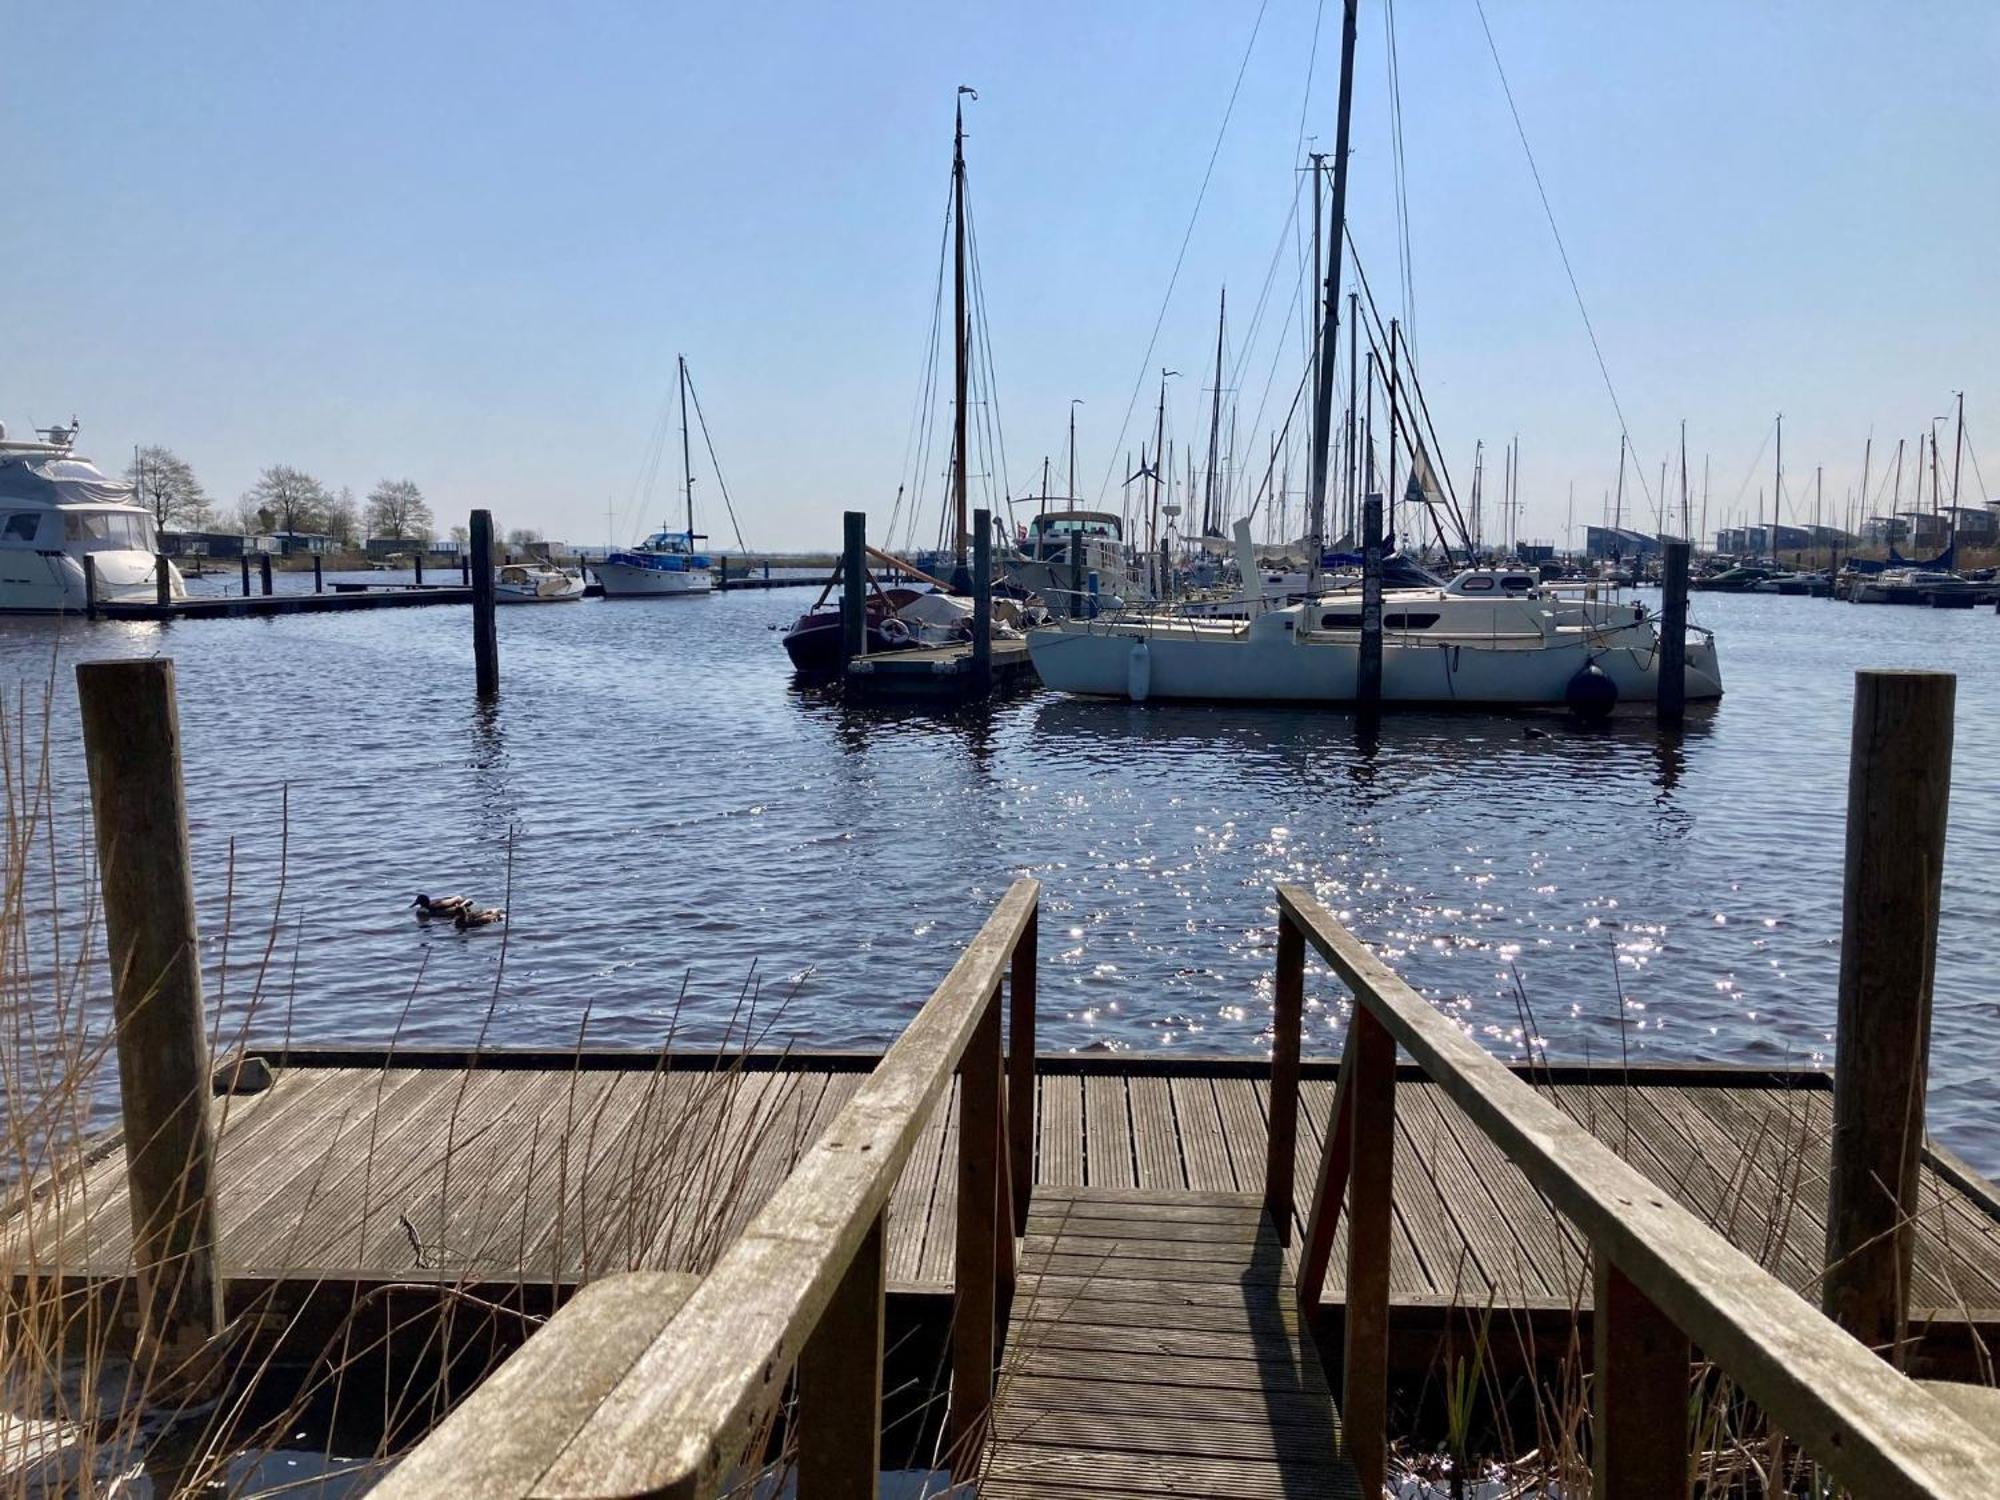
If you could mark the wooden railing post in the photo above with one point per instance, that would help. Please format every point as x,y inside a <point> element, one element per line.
<point>1671,703</point>
<point>1288,1017</point>
<point>1336,1160</point>
<point>1639,1400</point>
<point>1021,1069</point>
<point>485,635</point>
<point>132,746</point>
<point>1898,794</point>
<point>840,1384</point>
<point>976,1266</point>
<point>1364,1402</point>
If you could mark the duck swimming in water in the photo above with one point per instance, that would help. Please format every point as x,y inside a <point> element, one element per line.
<point>476,916</point>
<point>439,906</point>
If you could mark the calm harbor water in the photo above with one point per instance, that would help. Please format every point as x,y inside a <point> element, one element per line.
<point>675,829</point>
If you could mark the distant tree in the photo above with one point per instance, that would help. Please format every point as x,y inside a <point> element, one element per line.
<point>396,508</point>
<point>167,487</point>
<point>462,535</point>
<point>343,518</point>
<point>288,499</point>
<point>523,536</point>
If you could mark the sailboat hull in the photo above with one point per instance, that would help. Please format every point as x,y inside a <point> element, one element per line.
<point>625,581</point>
<point>1220,665</point>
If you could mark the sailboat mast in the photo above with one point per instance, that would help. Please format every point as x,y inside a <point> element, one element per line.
<point>958,330</point>
<point>1208,517</point>
<point>1328,343</point>
<point>1072,455</point>
<point>687,462</point>
<point>1957,458</point>
<point>1352,526</point>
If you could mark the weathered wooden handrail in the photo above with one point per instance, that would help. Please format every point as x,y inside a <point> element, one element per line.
<point>680,1394</point>
<point>1664,1279</point>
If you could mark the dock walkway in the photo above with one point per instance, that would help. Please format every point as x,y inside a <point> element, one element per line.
<point>1154,1348</point>
<point>512,1168</point>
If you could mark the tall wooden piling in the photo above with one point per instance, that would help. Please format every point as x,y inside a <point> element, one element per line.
<point>319,574</point>
<point>485,638</point>
<point>1368,670</point>
<point>853,586</point>
<point>264,573</point>
<point>1898,794</point>
<point>244,559</point>
<point>89,586</point>
<point>131,740</point>
<point>420,565</point>
<point>722,575</point>
<point>1672,695</point>
<point>163,580</point>
<point>982,602</point>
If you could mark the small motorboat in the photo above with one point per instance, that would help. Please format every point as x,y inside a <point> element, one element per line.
<point>536,583</point>
<point>897,619</point>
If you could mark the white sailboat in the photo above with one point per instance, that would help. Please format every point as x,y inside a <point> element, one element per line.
<point>1490,637</point>
<point>56,509</point>
<point>667,563</point>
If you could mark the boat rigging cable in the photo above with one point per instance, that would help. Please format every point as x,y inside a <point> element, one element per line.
<point>917,446</point>
<point>1405,261</point>
<point>1180,258</point>
<point>715,464</point>
<point>1603,369</point>
<point>993,436</point>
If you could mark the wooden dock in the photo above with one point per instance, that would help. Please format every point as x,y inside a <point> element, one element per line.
<point>511,1169</point>
<point>932,674</point>
<point>241,606</point>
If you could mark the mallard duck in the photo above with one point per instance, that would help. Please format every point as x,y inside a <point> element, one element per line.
<point>478,916</point>
<point>439,906</point>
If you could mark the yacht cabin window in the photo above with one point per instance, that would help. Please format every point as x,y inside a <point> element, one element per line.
<point>109,530</point>
<point>21,526</point>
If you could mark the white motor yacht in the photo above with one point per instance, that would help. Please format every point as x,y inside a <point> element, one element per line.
<point>536,583</point>
<point>56,509</point>
<point>1494,637</point>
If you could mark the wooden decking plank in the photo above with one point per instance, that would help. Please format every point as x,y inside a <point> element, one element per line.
<point>1024,1468</point>
<point>1170,1403</point>
<point>1107,1134</point>
<point>1203,1146</point>
<point>1059,1153</point>
<point>1155,1135</point>
<point>264,1211</point>
<point>1407,1276</point>
<point>1243,1131</point>
<point>1165,1328</point>
<point>1450,1263</point>
<point>1521,1232</point>
<point>1050,1220</point>
<point>1110,1202</point>
<point>545,1228</point>
<point>477,1228</point>
<point>940,1250</point>
<point>909,1211</point>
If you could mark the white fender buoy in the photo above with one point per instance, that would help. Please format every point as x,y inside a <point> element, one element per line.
<point>1139,673</point>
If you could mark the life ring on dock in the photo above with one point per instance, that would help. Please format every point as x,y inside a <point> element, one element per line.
<point>894,631</point>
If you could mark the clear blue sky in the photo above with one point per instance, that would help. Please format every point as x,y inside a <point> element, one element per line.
<point>463,243</point>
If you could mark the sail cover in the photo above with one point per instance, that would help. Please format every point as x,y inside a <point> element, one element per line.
<point>61,481</point>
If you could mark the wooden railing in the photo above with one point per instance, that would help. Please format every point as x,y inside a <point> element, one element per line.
<point>660,1385</point>
<point>1665,1281</point>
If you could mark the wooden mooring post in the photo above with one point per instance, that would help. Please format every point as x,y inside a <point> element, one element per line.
<point>131,740</point>
<point>485,637</point>
<point>1672,694</point>
<point>1898,795</point>
<point>244,559</point>
<point>1368,670</point>
<point>264,573</point>
<point>982,603</point>
<point>163,581</point>
<point>420,565</point>
<point>853,586</point>
<point>89,586</point>
<point>319,574</point>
